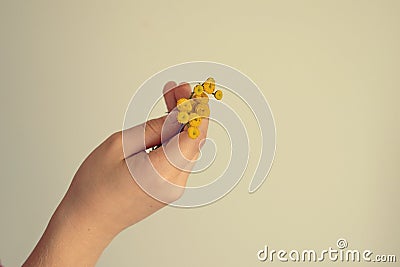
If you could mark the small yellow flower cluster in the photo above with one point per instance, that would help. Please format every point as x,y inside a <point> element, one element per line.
<point>194,108</point>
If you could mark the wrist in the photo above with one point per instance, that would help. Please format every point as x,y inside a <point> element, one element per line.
<point>70,240</point>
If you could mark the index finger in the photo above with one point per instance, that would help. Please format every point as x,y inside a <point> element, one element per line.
<point>173,92</point>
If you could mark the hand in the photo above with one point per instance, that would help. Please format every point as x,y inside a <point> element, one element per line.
<point>103,198</point>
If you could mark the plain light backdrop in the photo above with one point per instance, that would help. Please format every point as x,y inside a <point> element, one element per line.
<point>329,70</point>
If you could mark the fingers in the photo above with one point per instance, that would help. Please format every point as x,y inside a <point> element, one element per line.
<point>150,181</point>
<point>179,152</point>
<point>163,173</point>
<point>169,95</point>
<point>173,93</point>
<point>156,131</point>
<point>145,135</point>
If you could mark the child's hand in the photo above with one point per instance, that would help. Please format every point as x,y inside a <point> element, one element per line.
<point>104,199</point>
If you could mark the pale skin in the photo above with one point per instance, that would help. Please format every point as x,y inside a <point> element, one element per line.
<point>102,201</point>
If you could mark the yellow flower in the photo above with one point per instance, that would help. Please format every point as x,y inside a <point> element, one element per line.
<point>194,119</point>
<point>183,117</point>
<point>192,110</point>
<point>198,89</point>
<point>180,101</point>
<point>203,98</point>
<point>218,94</point>
<point>209,85</point>
<point>210,80</point>
<point>193,132</point>
<point>203,110</point>
<point>184,104</point>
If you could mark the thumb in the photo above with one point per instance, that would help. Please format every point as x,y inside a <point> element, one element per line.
<point>163,173</point>
<point>148,134</point>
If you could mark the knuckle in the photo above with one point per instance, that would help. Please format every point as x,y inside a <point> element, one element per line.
<point>114,141</point>
<point>154,126</point>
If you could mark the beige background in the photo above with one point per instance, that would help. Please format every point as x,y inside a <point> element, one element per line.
<point>329,69</point>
